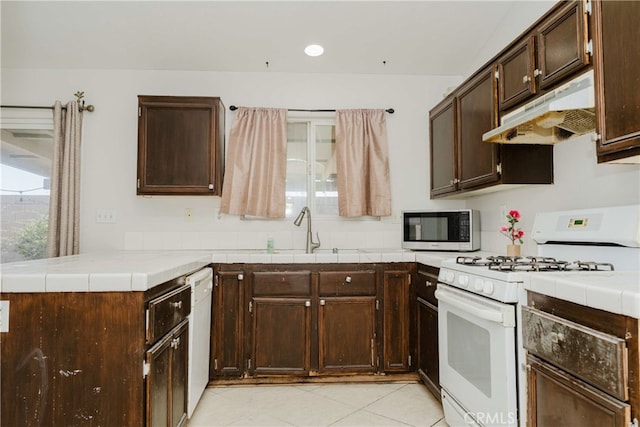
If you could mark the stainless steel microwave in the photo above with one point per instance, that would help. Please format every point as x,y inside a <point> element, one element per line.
<point>447,230</point>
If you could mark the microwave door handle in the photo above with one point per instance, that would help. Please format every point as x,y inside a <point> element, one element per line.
<point>480,312</point>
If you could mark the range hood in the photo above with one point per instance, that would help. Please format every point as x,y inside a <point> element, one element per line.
<point>567,111</point>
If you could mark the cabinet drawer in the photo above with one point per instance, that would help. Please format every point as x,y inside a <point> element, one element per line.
<point>338,283</point>
<point>426,283</point>
<point>166,311</point>
<point>595,357</point>
<point>282,283</point>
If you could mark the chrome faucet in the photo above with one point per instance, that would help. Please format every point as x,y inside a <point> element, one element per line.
<point>311,245</point>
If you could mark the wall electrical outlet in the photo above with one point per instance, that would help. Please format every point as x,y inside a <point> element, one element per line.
<point>4,316</point>
<point>188,214</point>
<point>106,216</point>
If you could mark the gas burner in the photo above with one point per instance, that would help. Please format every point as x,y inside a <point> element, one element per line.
<point>530,264</point>
<point>471,260</point>
<point>593,266</point>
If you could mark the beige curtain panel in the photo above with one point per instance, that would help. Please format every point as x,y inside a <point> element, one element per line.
<point>255,172</point>
<point>362,157</point>
<point>64,200</point>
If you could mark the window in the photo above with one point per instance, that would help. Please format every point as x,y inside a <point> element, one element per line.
<point>27,150</point>
<point>311,167</point>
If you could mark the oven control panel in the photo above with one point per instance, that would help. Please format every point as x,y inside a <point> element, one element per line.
<point>496,289</point>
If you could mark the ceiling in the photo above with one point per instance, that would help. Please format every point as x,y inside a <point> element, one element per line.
<point>362,37</point>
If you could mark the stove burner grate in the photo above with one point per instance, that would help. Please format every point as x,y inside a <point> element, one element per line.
<point>531,263</point>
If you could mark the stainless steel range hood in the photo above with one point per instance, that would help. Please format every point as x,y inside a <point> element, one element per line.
<point>556,116</point>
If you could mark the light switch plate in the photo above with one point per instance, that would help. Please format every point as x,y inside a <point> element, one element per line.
<point>4,316</point>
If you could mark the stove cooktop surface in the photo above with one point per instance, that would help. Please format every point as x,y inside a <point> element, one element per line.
<point>532,263</point>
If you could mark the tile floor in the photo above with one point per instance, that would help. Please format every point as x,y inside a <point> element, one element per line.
<point>377,404</point>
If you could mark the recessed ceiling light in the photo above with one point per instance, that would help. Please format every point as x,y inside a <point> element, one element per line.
<point>314,50</point>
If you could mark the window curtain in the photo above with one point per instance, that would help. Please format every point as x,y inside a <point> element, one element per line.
<point>255,171</point>
<point>64,200</point>
<point>362,158</point>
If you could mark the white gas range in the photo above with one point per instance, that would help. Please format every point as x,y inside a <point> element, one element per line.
<point>482,369</point>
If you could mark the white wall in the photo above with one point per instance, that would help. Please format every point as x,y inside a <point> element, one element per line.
<point>110,146</point>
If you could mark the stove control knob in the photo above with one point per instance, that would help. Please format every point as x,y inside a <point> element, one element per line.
<point>463,281</point>
<point>450,277</point>
<point>479,284</point>
<point>488,287</point>
<point>442,275</point>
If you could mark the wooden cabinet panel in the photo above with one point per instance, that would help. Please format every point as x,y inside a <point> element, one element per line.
<point>426,327</point>
<point>167,311</point>
<point>558,399</point>
<point>347,334</point>
<point>516,80</point>
<point>345,283</point>
<point>58,360</point>
<point>227,349</point>
<point>180,145</point>
<point>282,283</point>
<point>396,321</point>
<point>617,79</point>
<point>442,132</point>
<point>562,41</point>
<point>477,114</point>
<point>166,381</point>
<point>280,336</point>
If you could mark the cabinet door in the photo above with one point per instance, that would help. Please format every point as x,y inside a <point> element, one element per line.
<point>396,321</point>
<point>280,336</point>
<point>427,336</point>
<point>516,80</point>
<point>180,145</point>
<point>442,132</point>
<point>552,391</point>
<point>347,334</point>
<point>179,371</point>
<point>157,382</point>
<point>478,160</point>
<point>227,332</point>
<point>562,44</point>
<point>617,75</point>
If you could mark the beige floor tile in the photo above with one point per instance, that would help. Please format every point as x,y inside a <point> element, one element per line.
<point>318,405</point>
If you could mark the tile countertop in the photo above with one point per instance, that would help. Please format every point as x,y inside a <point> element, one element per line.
<point>614,291</point>
<point>142,270</point>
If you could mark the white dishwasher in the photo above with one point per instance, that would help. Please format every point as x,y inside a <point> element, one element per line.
<point>199,335</point>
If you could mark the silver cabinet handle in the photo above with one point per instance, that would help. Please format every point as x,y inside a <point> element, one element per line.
<point>347,279</point>
<point>429,284</point>
<point>526,79</point>
<point>323,302</point>
<point>175,343</point>
<point>307,303</point>
<point>557,337</point>
<point>177,305</point>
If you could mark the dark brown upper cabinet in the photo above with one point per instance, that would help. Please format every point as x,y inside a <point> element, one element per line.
<point>617,80</point>
<point>442,133</point>
<point>562,44</point>
<point>517,74</point>
<point>180,145</point>
<point>461,162</point>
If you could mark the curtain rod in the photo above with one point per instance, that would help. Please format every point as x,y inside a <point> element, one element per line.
<point>388,110</point>
<point>79,95</point>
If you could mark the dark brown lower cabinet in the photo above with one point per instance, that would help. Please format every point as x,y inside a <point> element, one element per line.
<point>347,334</point>
<point>559,399</point>
<point>281,336</point>
<point>227,344</point>
<point>426,327</point>
<point>166,381</point>
<point>396,321</point>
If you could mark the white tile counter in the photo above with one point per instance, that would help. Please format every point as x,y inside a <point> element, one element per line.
<point>141,270</point>
<point>119,271</point>
<point>614,291</point>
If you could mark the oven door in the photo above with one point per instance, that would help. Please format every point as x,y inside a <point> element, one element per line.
<point>478,356</point>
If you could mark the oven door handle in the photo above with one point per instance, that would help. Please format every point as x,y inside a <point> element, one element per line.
<point>477,310</point>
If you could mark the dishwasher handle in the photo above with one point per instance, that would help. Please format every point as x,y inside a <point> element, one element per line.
<point>504,316</point>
